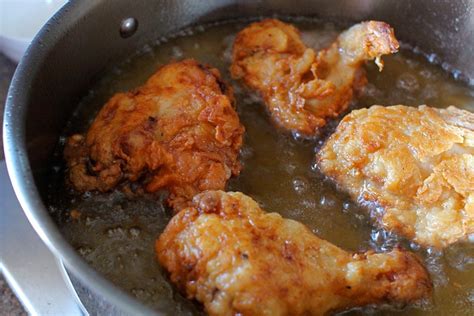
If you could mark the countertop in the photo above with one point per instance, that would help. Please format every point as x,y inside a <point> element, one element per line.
<point>9,304</point>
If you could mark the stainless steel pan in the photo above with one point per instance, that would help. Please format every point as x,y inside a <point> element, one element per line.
<point>86,37</point>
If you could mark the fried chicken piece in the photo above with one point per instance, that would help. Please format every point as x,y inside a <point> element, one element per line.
<point>179,131</point>
<point>416,166</point>
<point>302,89</point>
<point>236,259</point>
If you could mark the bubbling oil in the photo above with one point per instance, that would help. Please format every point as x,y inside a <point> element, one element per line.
<point>116,234</point>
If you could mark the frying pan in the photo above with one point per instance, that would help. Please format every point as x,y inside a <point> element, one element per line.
<point>86,37</point>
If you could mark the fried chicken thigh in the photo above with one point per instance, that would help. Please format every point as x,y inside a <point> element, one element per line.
<point>302,88</point>
<point>179,131</point>
<point>234,258</point>
<point>415,164</point>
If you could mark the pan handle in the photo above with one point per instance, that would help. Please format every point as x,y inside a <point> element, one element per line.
<point>37,277</point>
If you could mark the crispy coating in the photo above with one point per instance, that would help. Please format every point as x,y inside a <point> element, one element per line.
<point>236,259</point>
<point>415,164</point>
<point>302,88</point>
<point>179,131</point>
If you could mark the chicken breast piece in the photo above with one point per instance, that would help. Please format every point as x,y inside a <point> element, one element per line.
<point>234,258</point>
<point>416,166</point>
<point>179,131</point>
<point>302,88</point>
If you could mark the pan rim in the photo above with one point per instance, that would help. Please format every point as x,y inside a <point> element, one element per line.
<point>21,175</point>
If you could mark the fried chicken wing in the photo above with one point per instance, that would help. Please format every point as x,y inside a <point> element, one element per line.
<point>302,88</point>
<point>234,258</point>
<point>415,164</point>
<point>179,132</point>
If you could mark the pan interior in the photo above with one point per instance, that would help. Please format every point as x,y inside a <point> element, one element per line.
<point>116,233</point>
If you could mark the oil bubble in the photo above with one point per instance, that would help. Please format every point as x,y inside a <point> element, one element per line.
<point>327,202</point>
<point>84,251</point>
<point>300,185</point>
<point>408,82</point>
<point>116,232</point>
<point>134,231</point>
<point>177,52</point>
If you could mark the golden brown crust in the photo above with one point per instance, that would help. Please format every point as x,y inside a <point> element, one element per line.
<point>302,89</point>
<point>234,258</point>
<point>416,163</point>
<point>179,132</point>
